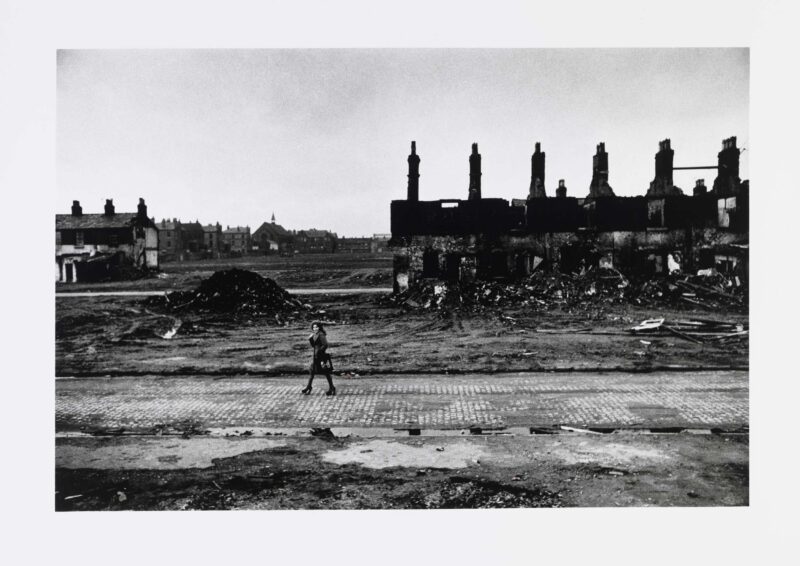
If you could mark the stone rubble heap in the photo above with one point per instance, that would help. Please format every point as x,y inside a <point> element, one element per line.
<point>543,291</point>
<point>235,291</point>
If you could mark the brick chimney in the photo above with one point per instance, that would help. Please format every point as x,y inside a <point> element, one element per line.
<point>142,209</point>
<point>475,174</point>
<point>662,184</point>
<point>727,181</point>
<point>561,191</point>
<point>537,173</point>
<point>76,208</point>
<point>109,208</point>
<point>413,174</point>
<point>599,186</point>
<point>700,187</point>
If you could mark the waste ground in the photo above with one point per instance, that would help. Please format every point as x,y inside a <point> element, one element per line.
<point>127,338</point>
<point>426,472</point>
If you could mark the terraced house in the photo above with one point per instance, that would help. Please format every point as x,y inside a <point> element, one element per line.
<point>315,241</point>
<point>92,247</point>
<point>236,240</point>
<point>489,238</point>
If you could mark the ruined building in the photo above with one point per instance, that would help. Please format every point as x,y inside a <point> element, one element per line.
<point>90,247</point>
<point>490,238</point>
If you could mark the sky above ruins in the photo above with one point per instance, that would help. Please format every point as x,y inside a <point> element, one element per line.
<point>320,137</point>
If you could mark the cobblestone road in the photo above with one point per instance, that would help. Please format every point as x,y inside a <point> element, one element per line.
<point>692,400</point>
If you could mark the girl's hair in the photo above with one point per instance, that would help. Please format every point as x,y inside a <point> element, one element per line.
<point>319,325</point>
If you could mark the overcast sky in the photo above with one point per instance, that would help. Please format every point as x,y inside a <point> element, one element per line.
<point>321,137</point>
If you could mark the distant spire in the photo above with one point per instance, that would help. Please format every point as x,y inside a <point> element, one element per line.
<point>273,217</point>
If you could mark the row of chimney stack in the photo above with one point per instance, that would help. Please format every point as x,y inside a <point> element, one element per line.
<point>108,209</point>
<point>727,171</point>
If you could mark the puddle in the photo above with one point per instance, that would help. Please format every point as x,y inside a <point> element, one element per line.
<point>378,454</point>
<point>152,454</point>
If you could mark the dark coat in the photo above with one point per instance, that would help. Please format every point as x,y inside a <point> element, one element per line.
<point>320,343</point>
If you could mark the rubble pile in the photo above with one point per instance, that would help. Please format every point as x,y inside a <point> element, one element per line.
<point>235,291</point>
<point>540,290</point>
<point>593,287</point>
<point>709,289</point>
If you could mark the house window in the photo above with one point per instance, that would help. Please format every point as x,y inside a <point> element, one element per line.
<point>430,263</point>
<point>79,239</point>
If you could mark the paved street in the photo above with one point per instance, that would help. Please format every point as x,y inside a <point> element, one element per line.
<point>661,399</point>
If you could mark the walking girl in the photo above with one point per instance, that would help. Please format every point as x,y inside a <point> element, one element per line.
<point>319,343</point>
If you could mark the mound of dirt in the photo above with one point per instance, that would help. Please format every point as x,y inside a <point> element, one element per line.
<point>234,291</point>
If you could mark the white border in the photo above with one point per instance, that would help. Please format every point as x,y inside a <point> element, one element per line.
<point>31,31</point>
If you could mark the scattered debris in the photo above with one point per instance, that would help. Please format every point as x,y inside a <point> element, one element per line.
<point>583,430</point>
<point>595,286</point>
<point>172,331</point>
<point>700,331</point>
<point>323,433</point>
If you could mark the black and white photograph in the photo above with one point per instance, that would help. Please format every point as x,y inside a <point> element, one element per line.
<point>409,286</point>
<point>401,279</point>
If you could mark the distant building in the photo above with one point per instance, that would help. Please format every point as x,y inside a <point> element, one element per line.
<point>193,237</point>
<point>236,240</point>
<point>315,241</point>
<point>273,238</point>
<point>354,245</point>
<point>212,239</point>
<point>90,246</point>
<point>170,244</point>
<point>380,243</point>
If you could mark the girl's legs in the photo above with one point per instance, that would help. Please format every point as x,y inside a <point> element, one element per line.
<point>307,389</point>
<point>331,388</point>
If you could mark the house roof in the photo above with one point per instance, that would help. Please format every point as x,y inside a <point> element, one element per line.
<point>92,221</point>
<point>211,228</point>
<point>271,230</point>
<point>237,230</point>
<point>192,229</point>
<point>314,233</point>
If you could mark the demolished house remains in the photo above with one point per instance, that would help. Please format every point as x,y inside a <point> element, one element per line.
<point>95,247</point>
<point>665,231</point>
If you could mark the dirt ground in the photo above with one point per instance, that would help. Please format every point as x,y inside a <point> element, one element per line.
<point>127,336</point>
<point>122,336</point>
<point>326,472</point>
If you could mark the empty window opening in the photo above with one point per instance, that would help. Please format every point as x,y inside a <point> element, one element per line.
<point>430,263</point>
